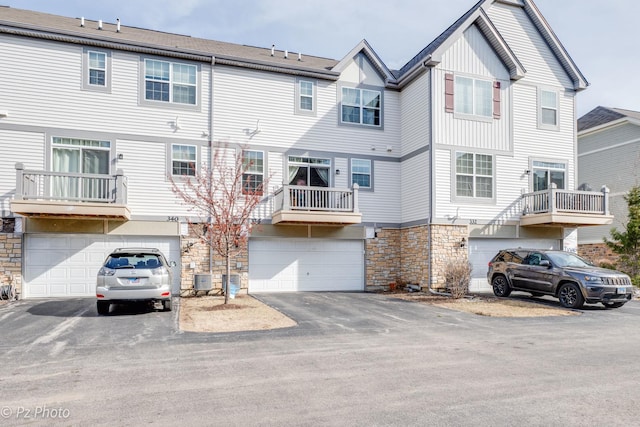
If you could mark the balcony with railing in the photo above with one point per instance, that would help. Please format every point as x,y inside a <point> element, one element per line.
<point>296,204</point>
<point>70,195</point>
<point>566,208</point>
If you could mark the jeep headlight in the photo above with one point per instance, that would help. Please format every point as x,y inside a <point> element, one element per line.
<point>593,279</point>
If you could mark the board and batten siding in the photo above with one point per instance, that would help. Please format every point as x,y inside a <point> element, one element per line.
<point>17,147</point>
<point>528,45</point>
<point>471,56</point>
<point>240,99</point>
<point>59,69</point>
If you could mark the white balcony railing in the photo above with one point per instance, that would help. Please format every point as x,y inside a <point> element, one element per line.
<point>72,187</point>
<point>304,198</point>
<point>566,201</point>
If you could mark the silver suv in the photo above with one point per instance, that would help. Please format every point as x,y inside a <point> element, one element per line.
<point>134,274</point>
<point>564,275</point>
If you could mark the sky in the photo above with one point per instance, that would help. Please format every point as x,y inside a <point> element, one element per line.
<point>599,35</point>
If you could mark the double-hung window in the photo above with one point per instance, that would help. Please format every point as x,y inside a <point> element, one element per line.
<point>96,70</point>
<point>253,172</point>
<point>361,172</point>
<point>183,160</point>
<point>473,97</point>
<point>548,109</point>
<point>361,106</point>
<point>170,82</point>
<point>474,175</point>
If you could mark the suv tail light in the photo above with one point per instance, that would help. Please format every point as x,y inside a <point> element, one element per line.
<point>106,271</point>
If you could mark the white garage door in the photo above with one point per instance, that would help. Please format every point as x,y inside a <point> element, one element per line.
<point>482,250</point>
<point>288,265</point>
<point>67,265</point>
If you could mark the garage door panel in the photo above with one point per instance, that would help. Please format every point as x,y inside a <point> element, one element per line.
<point>305,265</point>
<point>59,266</point>
<point>481,251</point>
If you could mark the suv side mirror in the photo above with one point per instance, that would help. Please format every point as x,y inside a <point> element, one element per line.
<point>545,263</point>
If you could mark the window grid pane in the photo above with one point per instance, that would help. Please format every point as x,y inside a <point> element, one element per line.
<point>464,95</point>
<point>361,106</point>
<point>361,172</point>
<point>464,186</point>
<point>252,178</point>
<point>483,98</point>
<point>170,82</point>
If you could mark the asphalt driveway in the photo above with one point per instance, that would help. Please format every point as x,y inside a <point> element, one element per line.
<point>354,359</point>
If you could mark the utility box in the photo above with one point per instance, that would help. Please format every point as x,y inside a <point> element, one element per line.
<point>234,284</point>
<point>202,282</point>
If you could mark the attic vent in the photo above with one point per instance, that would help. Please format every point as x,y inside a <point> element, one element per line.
<point>299,56</point>
<point>273,49</point>
<point>118,25</point>
<point>286,54</point>
<point>100,24</point>
<point>82,21</point>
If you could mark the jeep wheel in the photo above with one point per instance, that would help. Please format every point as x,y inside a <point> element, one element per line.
<point>500,286</point>
<point>103,307</point>
<point>167,305</point>
<point>570,296</point>
<point>613,304</point>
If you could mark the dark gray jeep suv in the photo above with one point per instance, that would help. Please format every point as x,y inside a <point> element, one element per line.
<point>564,275</point>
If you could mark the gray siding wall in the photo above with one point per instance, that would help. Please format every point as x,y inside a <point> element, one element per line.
<point>614,161</point>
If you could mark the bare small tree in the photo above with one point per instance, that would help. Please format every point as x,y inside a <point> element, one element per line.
<point>223,197</point>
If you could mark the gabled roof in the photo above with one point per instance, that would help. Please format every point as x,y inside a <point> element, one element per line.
<point>430,55</point>
<point>601,117</point>
<point>365,48</point>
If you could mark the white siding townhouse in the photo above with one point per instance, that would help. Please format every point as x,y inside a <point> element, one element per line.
<point>469,147</point>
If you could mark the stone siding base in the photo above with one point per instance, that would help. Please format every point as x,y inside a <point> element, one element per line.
<point>397,257</point>
<point>11,260</point>
<point>599,254</point>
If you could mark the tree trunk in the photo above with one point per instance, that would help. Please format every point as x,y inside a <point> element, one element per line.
<point>228,282</point>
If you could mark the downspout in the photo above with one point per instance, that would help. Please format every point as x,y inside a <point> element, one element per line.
<point>431,190</point>
<point>213,63</point>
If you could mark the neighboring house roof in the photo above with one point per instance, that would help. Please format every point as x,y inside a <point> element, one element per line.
<point>601,116</point>
<point>53,27</point>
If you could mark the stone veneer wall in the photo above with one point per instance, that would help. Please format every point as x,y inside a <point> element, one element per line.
<point>402,256</point>
<point>598,253</point>
<point>414,251</point>
<point>198,253</point>
<point>382,259</point>
<point>11,260</point>
<point>445,243</point>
